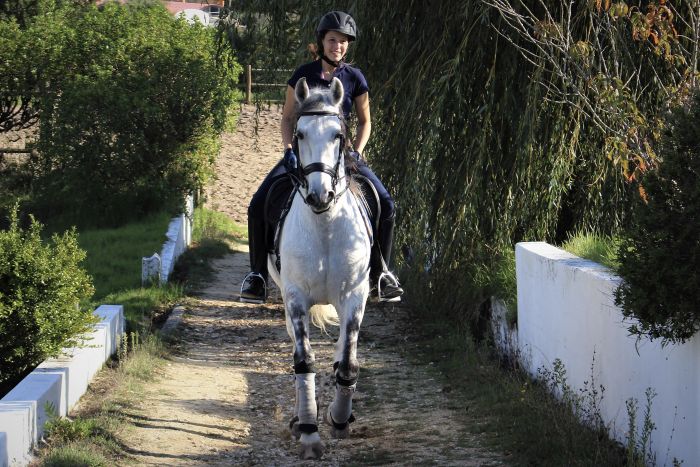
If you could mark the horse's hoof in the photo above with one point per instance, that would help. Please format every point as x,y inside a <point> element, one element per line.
<point>311,446</point>
<point>294,427</point>
<point>336,433</point>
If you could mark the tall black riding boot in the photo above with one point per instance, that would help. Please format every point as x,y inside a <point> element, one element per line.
<point>388,288</point>
<point>254,287</point>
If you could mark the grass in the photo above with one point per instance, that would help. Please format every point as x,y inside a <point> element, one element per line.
<point>505,285</point>
<point>114,262</point>
<point>592,246</point>
<point>213,234</point>
<point>93,436</point>
<point>517,416</point>
<point>114,255</point>
<point>599,248</point>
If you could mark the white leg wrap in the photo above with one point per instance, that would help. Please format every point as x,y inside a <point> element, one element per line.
<point>306,398</point>
<point>342,403</point>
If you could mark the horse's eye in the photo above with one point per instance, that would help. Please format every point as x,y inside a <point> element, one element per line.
<point>300,135</point>
<point>338,136</point>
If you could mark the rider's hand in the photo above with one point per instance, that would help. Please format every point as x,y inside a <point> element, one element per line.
<point>290,160</point>
<point>356,155</point>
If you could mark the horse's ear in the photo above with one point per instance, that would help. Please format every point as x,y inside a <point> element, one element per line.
<point>337,92</point>
<point>301,90</point>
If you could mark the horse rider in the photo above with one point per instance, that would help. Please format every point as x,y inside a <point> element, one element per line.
<point>334,33</point>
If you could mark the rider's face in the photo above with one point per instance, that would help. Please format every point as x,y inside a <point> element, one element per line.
<point>335,45</point>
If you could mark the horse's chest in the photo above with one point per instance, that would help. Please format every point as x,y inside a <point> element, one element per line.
<point>323,253</point>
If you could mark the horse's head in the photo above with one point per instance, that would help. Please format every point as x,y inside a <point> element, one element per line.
<point>320,138</point>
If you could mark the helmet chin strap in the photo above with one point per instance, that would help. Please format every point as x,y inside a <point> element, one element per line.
<point>331,62</point>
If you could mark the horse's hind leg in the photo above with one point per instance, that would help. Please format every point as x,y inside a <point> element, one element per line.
<point>305,380</point>
<point>347,369</point>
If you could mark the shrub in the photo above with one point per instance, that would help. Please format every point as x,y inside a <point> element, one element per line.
<point>660,253</point>
<point>132,122</point>
<point>41,288</point>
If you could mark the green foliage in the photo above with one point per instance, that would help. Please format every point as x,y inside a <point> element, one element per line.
<point>213,235</point>
<point>114,254</point>
<point>599,248</point>
<point>639,453</point>
<point>488,134</point>
<point>64,430</point>
<point>143,304</point>
<point>131,122</point>
<point>660,253</point>
<point>214,225</point>
<point>42,286</point>
<point>75,454</point>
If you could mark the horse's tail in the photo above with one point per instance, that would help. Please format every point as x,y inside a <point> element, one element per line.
<point>322,315</point>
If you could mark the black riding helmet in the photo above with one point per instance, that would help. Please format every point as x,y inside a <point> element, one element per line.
<point>336,21</point>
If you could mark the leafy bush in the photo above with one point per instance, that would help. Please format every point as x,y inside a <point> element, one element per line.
<point>41,288</point>
<point>132,121</point>
<point>660,253</point>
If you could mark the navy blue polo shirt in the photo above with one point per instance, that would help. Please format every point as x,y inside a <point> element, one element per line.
<point>354,82</point>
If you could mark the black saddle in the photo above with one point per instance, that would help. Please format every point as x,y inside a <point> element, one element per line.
<point>279,200</point>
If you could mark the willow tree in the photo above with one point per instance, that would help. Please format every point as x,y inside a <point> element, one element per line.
<point>481,137</point>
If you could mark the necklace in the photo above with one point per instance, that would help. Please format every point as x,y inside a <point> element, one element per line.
<point>327,75</point>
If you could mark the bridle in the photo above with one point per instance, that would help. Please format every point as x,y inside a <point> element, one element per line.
<point>299,175</point>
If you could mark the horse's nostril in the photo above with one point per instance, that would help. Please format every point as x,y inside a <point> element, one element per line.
<point>313,199</point>
<point>331,195</point>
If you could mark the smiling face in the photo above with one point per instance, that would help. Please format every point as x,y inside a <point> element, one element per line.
<point>335,45</point>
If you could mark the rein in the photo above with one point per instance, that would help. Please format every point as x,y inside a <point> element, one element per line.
<point>299,176</point>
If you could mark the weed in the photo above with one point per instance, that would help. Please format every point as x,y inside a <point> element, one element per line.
<point>75,454</point>
<point>92,437</point>
<point>513,413</point>
<point>596,247</point>
<point>639,453</point>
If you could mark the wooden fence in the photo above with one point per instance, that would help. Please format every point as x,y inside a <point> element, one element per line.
<point>250,83</point>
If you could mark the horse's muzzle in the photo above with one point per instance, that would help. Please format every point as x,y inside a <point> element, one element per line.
<point>320,203</point>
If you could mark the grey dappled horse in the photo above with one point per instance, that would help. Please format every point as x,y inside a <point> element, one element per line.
<point>324,250</point>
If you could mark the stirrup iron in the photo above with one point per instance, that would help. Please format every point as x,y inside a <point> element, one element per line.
<point>394,281</point>
<point>253,300</point>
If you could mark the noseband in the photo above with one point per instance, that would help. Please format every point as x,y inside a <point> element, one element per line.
<point>302,172</point>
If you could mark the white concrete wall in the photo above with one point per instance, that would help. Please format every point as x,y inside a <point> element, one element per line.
<point>566,310</point>
<point>59,382</point>
<point>179,238</point>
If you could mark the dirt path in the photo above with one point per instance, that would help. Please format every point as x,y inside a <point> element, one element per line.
<point>227,393</point>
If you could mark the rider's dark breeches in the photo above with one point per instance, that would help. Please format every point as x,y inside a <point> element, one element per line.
<point>256,221</point>
<point>256,217</point>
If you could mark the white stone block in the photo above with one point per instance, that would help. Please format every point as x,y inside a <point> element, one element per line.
<point>150,269</point>
<point>16,423</point>
<point>39,389</point>
<point>3,450</point>
<point>59,381</point>
<point>113,321</point>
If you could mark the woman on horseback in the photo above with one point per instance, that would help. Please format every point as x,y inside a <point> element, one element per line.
<point>334,33</point>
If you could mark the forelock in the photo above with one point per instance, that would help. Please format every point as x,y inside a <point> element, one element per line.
<point>319,100</point>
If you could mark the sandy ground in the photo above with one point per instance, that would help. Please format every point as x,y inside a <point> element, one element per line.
<point>227,392</point>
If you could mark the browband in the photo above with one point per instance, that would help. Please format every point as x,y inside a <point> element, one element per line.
<point>319,112</point>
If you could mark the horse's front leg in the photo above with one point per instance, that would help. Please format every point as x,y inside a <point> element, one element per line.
<point>304,377</point>
<point>347,369</point>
